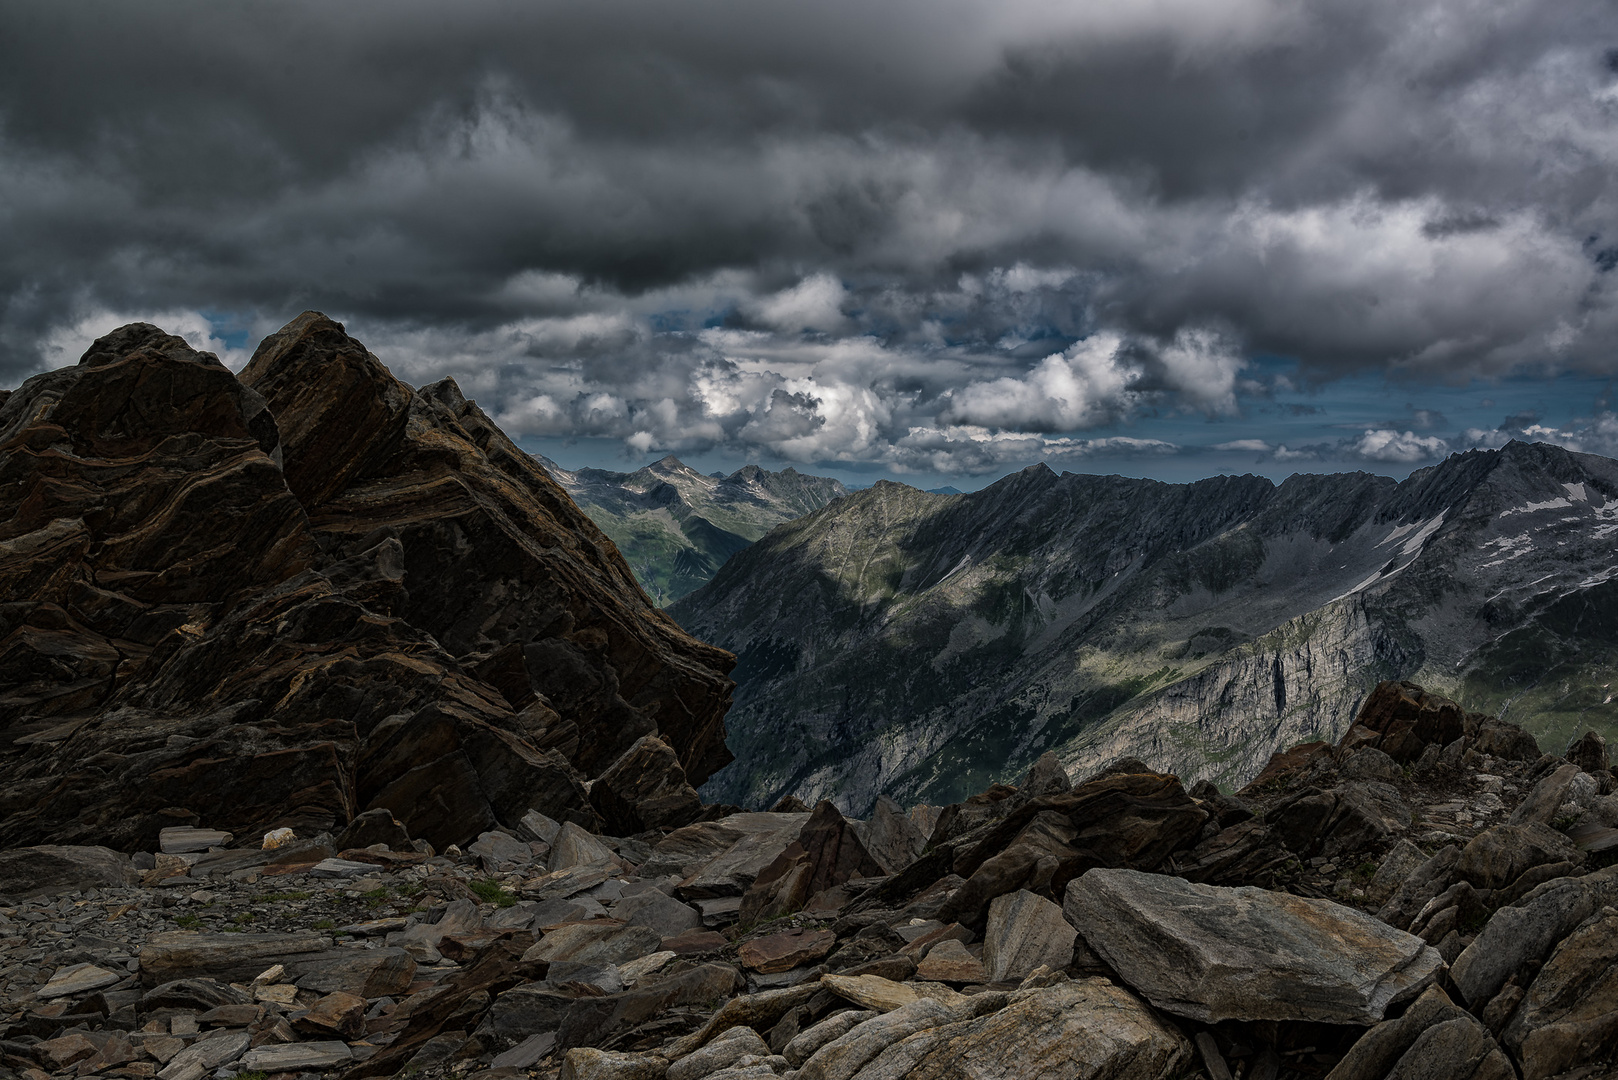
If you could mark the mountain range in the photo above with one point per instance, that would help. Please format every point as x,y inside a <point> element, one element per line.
<point>923,645</point>
<point>676,526</point>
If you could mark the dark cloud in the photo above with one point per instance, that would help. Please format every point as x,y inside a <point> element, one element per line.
<point>900,233</point>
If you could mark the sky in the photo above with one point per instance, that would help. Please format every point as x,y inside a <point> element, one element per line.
<point>932,240</point>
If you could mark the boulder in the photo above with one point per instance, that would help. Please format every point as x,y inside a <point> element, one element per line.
<point>52,868</point>
<point>1348,818</point>
<point>724,1051</point>
<point>843,1057</point>
<point>575,847</point>
<point>599,941</point>
<point>1211,954</point>
<point>182,954</point>
<point>827,852</point>
<point>645,789</point>
<point>587,1063</point>
<point>1589,753</point>
<point>1517,936</point>
<point>373,827</point>
<point>948,961</point>
<point>1569,1015</point>
<point>1499,856</point>
<point>1401,719</point>
<point>803,1045</point>
<point>658,910</point>
<point>1025,932</point>
<point>1545,798</point>
<point>1085,1030</point>
<point>890,837</point>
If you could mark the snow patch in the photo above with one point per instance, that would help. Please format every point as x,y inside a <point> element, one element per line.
<point>1530,508</point>
<point>1413,545</point>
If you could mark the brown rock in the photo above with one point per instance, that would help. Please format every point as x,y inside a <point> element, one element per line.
<point>1401,719</point>
<point>787,950</point>
<point>949,961</point>
<point>695,941</point>
<point>645,789</point>
<point>339,1014</point>
<point>307,593</point>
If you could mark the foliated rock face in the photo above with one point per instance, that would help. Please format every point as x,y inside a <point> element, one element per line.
<point>282,600</point>
<point>925,645</point>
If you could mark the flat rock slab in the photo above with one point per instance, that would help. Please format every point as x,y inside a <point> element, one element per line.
<point>78,979</point>
<point>49,868</point>
<point>885,995</point>
<point>785,951</point>
<point>296,1057</point>
<point>180,954</point>
<point>600,941</point>
<point>340,868</point>
<point>695,941</point>
<point>1212,954</point>
<point>183,839</point>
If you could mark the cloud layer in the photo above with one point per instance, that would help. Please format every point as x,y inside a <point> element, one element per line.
<point>939,236</point>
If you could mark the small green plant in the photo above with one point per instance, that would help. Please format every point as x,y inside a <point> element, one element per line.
<point>323,924</point>
<point>375,898</point>
<point>1366,870</point>
<point>243,917</point>
<point>1565,822</point>
<point>411,888</point>
<point>187,922</point>
<point>490,892</point>
<point>256,1074</point>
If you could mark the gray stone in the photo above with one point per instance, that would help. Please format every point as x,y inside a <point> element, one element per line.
<point>723,1052</point>
<point>183,839</point>
<point>890,837</point>
<point>539,827</point>
<point>1212,954</point>
<point>1396,866</point>
<point>340,868</point>
<point>1516,936</point>
<point>1569,1016</point>
<point>206,1055</point>
<point>78,979</point>
<point>599,941</point>
<point>806,1042</point>
<point>551,912</point>
<point>373,827</point>
<point>1546,797</point>
<point>687,850</point>
<point>1025,931</point>
<point>421,941</point>
<point>526,1053</point>
<point>366,973</point>
<point>296,1057</point>
<point>575,847</point>
<point>659,911</point>
<point>524,1011</point>
<point>604,977</point>
<point>497,849</point>
<point>1497,857</point>
<point>587,1063</point>
<point>844,1056</point>
<point>52,868</point>
<point>734,869</point>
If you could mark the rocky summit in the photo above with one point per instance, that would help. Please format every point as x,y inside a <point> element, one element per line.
<point>340,744</point>
<point>1427,897</point>
<point>927,645</point>
<point>282,600</point>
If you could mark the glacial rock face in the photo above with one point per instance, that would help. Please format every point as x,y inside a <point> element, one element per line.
<point>676,527</point>
<point>289,598</point>
<point>926,645</point>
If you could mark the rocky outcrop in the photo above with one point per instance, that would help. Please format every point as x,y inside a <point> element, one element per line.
<point>1454,944</point>
<point>282,600</point>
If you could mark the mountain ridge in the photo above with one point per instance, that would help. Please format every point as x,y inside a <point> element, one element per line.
<point>676,527</point>
<point>1206,623</point>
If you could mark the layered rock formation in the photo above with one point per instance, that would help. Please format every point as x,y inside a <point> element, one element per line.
<point>927,645</point>
<point>284,599</point>
<point>1122,927</point>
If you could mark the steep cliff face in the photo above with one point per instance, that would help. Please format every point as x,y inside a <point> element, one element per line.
<point>285,599</point>
<point>927,644</point>
<point>676,527</point>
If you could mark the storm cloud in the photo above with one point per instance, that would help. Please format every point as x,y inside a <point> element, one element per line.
<point>942,237</point>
